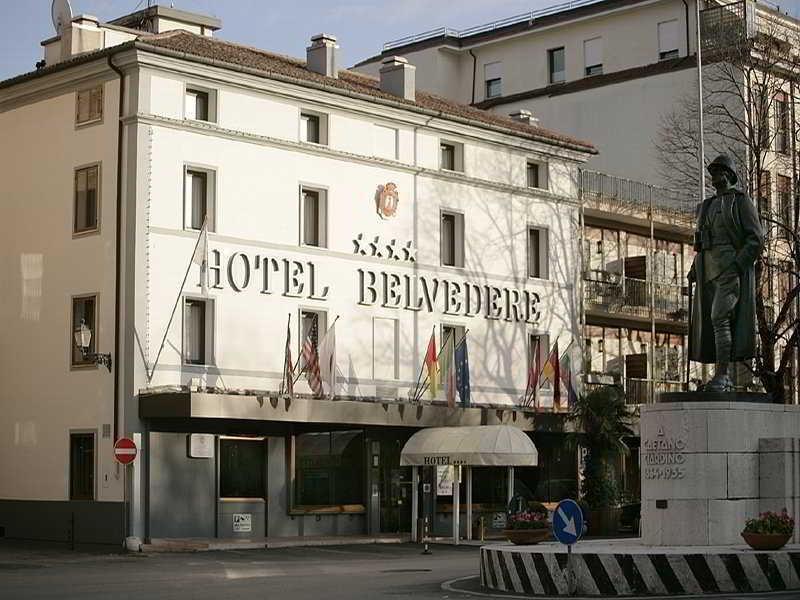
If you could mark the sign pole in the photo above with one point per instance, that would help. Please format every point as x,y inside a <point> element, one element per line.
<point>571,587</point>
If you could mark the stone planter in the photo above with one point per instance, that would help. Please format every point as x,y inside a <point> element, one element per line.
<point>766,541</point>
<point>604,521</point>
<point>526,537</point>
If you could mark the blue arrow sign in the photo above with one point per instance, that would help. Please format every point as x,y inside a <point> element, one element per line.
<point>568,522</point>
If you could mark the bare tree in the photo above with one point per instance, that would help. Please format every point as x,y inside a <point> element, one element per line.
<point>750,74</point>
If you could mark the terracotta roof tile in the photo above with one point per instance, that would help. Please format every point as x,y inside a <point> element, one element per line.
<point>213,49</point>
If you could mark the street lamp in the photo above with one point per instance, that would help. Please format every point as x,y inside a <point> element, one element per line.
<point>83,337</point>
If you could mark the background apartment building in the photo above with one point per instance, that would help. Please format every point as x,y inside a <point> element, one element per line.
<point>326,195</point>
<point>623,74</point>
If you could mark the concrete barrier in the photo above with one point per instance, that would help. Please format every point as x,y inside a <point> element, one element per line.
<point>628,570</point>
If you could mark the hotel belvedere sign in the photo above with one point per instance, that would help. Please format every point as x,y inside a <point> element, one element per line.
<point>375,287</point>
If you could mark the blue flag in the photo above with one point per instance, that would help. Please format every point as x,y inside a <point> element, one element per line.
<point>462,373</point>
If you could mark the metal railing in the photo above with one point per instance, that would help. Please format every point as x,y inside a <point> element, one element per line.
<point>614,293</point>
<point>529,16</point>
<point>729,26</point>
<point>637,199</point>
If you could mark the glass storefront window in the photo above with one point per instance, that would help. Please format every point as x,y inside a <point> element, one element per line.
<point>329,470</point>
<point>242,468</point>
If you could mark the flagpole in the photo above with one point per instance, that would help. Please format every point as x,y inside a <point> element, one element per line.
<point>421,368</point>
<point>282,389</point>
<point>177,300</point>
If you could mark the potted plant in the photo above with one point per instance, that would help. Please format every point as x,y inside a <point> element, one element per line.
<point>602,418</point>
<point>529,525</point>
<point>769,531</point>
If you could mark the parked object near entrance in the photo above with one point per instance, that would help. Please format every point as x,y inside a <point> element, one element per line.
<point>527,522</point>
<point>769,531</point>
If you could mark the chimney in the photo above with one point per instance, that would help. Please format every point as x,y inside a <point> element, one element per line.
<point>322,56</point>
<point>398,77</point>
<point>524,116</point>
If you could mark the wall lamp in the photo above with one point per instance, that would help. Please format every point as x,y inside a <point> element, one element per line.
<point>83,338</point>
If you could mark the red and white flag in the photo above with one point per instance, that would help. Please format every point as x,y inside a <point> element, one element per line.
<point>311,360</point>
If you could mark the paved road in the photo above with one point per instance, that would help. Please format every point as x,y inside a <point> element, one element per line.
<point>364,572</point>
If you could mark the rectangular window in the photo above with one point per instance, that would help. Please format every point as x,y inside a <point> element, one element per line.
<point>87,186</point>
<point>199,199</point>
<point>556,65</point>
<point>782,123</point>
<point>329,470</point>
<point>493,76</point>
<point>593,56</point>
<point>242,468</point>
<point>81,466</point>
<point>313,325</point>
<point>448,157</point>
<point>765,192</point>
<point>197,331</point>
<point>538,342</point>
<point>457,331</point>
<point>668,39</point>
<point>536,175</point>
<point>451,156</point>
<point>89,105</point>
<point>538,250</point>
<point>783,186</point>
<point>197,185</point>
<point>385,142</point>
<point>452,239</point>
<point>313,127</point>
<point>83,312</point>
<point>197,105</point>
<point>315,220</point>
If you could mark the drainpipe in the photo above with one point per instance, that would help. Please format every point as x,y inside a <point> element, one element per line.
<point>686,19</point>
<point>118,253</point>
<point>474,68</point>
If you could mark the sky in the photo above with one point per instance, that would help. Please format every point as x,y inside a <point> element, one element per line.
<point>282,26</point>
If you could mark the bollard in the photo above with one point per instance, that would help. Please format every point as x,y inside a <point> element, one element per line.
<point>427,550</point>
<point>483,528</point>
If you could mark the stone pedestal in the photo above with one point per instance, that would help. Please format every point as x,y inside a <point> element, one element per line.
<point>702,472</point>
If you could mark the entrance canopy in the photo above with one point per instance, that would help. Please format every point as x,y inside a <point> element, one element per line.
<point>480,446</point>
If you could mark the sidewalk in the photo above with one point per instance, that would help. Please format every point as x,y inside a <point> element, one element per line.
<point>209,544</point>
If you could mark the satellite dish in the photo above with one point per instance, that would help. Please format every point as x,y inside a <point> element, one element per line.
<point>61,12</point>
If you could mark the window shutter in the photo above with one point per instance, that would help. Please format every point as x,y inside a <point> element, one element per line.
<point>191,105</point>
<point>593,52</point>
<point>493,70</point>
<point>668,36</point>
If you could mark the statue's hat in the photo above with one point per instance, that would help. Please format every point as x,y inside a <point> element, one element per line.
<point>723,161</point>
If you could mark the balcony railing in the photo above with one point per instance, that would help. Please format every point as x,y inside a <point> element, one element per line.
<point>622,196</point>
<point>613,293</point>
<point>742,26</point>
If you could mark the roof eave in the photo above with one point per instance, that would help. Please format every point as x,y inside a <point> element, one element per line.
<point>585,149</point>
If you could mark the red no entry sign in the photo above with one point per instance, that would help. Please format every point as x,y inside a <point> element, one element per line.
<point>124,451</point>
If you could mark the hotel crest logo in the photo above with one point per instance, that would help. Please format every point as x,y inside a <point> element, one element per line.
<point>386,200</point>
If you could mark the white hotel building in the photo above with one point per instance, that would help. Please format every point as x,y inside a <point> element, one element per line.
<point>117,149</point>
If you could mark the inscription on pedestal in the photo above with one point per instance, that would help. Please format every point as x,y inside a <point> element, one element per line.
<point>664,457</point>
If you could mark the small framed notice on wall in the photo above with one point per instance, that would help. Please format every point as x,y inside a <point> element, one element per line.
<point>201,445</point>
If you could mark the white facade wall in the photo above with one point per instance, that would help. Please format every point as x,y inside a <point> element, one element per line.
<point>258,213</point>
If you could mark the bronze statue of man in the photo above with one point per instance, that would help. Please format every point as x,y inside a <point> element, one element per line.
<point>728,241</point>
